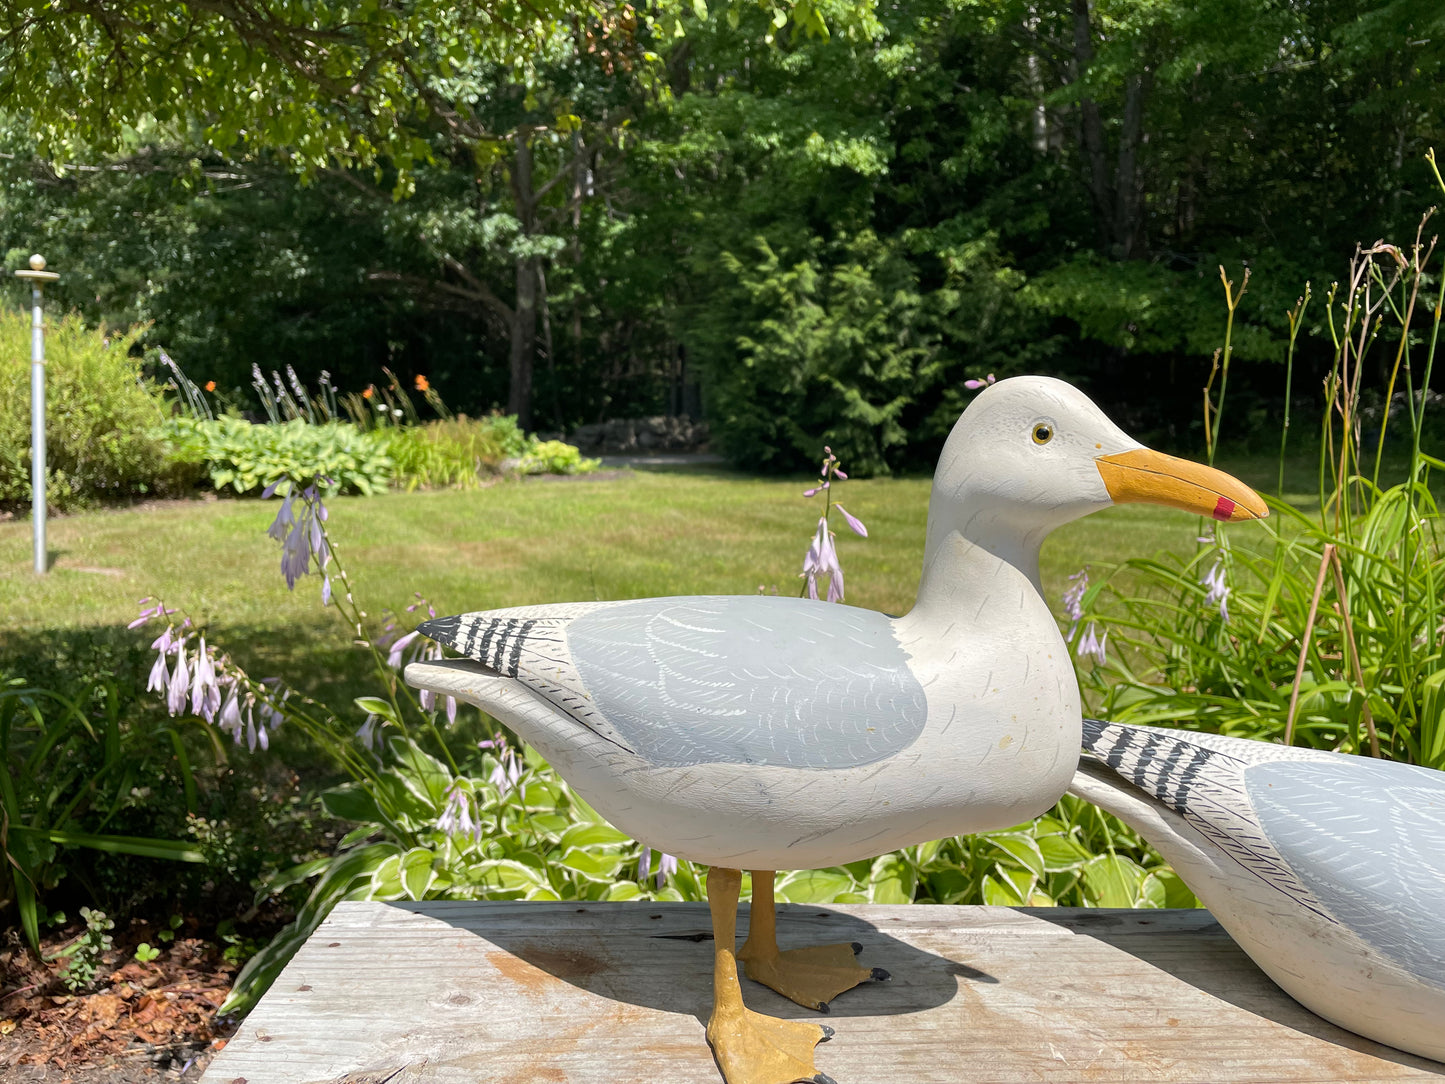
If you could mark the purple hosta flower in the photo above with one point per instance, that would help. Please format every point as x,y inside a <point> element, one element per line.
<point>295,382</point>
<point>508,770</point>
<point>458,818</point>
<point>370,734</point>
<point>666,866</point>
<point>853,521</point>
<point>974,385</point>
<point>160,678</point>
<point>428,699</point>
<point>393,657</point>
<point>1218,590</point>
<point>205,690</point>
<point>247,717</point>
<point>1092,645</point>
<point>1074,599</point>
<point>147,612</point>
<point>301,535</point>
<point>822,556</point>
<point>822,560</point>
<point>180,683</point>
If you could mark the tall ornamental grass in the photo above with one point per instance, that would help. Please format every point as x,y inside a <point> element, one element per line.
<point>1323,629</point>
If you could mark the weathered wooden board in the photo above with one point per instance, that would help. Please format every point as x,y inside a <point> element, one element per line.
<point>495,993</point>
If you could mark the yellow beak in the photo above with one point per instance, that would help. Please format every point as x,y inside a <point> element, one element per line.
<point>1142,475</point>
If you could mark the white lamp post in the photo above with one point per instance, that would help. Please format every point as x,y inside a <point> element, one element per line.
<point>38,276</point>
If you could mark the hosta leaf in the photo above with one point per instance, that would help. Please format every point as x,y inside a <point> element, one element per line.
<point>1001,893</point>
<point>1061,852</point>
<point>1112,880</point>
<point>814,886</point>
<point>1022,850</point>
<point>891,880</point>
<point>1176,892</point>
<point>592,835</point>
<point>417,874</point>
<point>596,867</point>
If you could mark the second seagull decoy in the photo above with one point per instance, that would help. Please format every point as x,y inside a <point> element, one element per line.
<point>763,733</point>
<point>1327,869</point>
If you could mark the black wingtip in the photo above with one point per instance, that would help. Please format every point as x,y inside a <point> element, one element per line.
<point>444,630</point>
<point>1093,732</point>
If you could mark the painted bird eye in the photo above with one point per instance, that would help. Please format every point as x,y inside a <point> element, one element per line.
<point>1043,433</point>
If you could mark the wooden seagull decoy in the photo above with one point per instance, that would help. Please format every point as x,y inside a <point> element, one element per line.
<point>1327,869</point>
<point>763,733</point>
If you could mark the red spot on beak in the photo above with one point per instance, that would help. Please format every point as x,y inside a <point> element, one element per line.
<point>1224,509</point>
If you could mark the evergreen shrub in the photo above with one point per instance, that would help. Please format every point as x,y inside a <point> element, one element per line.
<point>101,415</point>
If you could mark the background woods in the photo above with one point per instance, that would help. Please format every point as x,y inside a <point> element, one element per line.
<point>799,234</point>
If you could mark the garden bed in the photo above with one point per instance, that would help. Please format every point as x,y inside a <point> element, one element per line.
<point>140,1021</point>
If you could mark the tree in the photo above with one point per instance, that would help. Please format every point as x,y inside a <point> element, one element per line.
<point>328,84</point>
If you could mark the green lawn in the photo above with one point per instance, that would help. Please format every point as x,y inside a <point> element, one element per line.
<point>630,535</point>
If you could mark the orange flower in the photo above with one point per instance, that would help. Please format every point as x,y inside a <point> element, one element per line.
<point>210,385</point>
<point>422,384</point>
<point>367,394</point>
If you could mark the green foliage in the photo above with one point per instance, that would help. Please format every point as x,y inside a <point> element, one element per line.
<point>463,452</point>
<point>1052,187</point>
<point>1331,634</point>
<point>247,457</point>
<point>555,457</point>
<point>312,78</point>
<point>83,955</point>
<point>145,952</point>
<point>831,347</point>
<point>458,452</point>
<point>101,414</point>
<point>1073,856</point>
<point>68,767</point>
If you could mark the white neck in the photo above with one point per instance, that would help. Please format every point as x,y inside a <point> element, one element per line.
<point>965,553</point>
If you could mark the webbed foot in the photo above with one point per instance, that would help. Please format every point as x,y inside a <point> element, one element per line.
<point>811,976</point>
<point>755,1049</point>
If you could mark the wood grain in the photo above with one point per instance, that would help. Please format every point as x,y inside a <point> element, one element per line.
<point>446,993</point>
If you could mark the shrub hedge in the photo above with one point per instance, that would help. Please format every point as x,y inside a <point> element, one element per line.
<point>101,415</point>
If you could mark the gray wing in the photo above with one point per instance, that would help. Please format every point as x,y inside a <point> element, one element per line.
<point>1368,839</point>
<point>701,680</point>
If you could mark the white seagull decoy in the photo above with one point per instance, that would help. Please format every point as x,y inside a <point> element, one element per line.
<point>1327,869</point>
<point>757,733</point>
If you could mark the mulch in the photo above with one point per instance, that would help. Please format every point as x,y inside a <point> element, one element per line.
<point>139,1023</point>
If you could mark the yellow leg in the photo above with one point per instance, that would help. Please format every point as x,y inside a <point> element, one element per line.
<point>810,976</point>
<point>751,1048</point>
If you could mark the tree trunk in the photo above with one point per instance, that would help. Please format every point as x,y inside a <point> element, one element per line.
<point>1092,126</point>
<point>524,343</point>
<point>524,313</point>
<point>1128,218</point>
